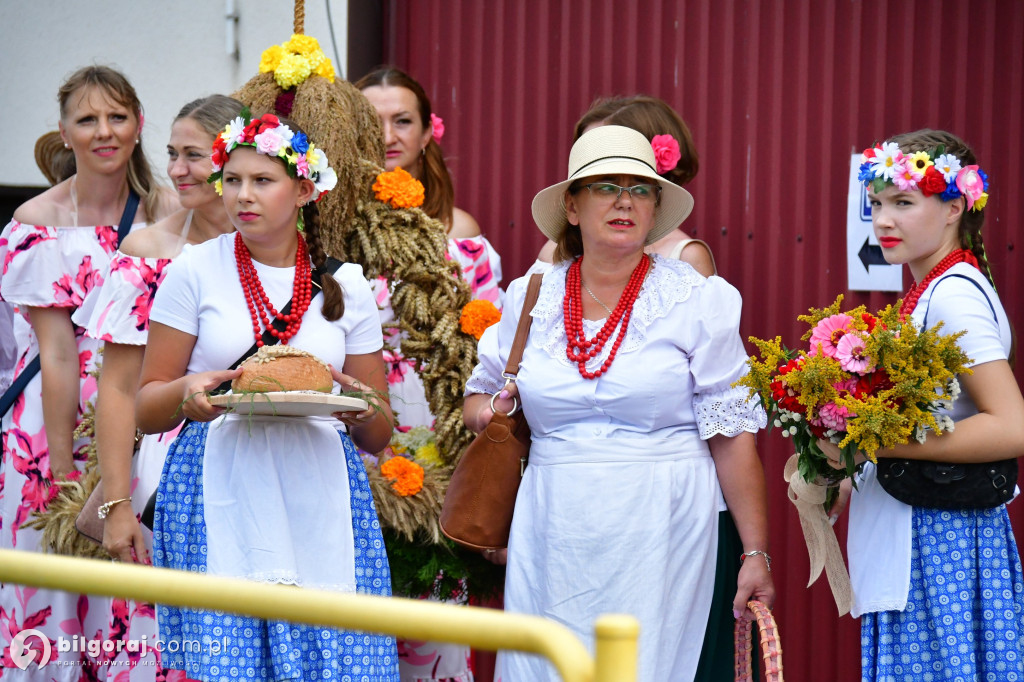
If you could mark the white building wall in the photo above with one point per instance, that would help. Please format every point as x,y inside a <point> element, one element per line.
<point>172,52</point>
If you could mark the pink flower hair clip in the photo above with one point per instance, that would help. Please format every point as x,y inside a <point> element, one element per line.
<point>437,125</point>
<point>666,152</point>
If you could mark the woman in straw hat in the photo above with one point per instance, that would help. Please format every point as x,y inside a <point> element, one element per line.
<point>637,433</point>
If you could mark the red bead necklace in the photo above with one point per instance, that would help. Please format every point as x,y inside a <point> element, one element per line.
<point>955,256</point>
<point>578,349</point>
<point>260,308</point>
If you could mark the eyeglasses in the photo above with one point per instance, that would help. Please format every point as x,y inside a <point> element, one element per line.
<point>607,191</point>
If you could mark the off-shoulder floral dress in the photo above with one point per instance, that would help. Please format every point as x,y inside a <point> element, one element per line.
<point>43,266</point>
<point>118,312</point>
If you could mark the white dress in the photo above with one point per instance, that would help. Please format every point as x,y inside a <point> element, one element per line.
<point>618,509</point>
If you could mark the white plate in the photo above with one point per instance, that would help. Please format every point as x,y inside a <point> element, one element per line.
<point>289,403</point>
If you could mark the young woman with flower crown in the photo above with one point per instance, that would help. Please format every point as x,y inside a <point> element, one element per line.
<point>53,253</point>
<point>257,509</point>
<point>940,591</point>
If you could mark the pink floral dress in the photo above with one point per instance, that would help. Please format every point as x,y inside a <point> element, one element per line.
<point>118,312</point>
<point>43,266</point>
<point>481,268</point>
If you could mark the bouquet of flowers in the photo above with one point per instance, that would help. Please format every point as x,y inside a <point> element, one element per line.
<point>864,381</point>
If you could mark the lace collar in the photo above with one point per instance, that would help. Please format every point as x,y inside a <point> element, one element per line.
<point>668,283</point>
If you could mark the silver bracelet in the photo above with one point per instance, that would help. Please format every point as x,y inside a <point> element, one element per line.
<point>758,552</point>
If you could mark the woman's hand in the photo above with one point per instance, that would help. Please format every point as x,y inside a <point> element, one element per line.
<point>835,455</point>
<point>845,489</point>
<point>349,384</point>
<point>832,452</point>
<point>754,582</point>
<point>477,408</point>
<point>371,429</point>
<point>195,401</point>
<point>60,466</point>
<point>496,556</point>
<point>122,535</point>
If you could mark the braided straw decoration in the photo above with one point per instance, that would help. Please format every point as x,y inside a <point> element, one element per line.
<point>771,645</point>
<point>404,245</point>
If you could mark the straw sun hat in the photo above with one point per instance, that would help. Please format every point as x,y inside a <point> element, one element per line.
<point>612,150</point>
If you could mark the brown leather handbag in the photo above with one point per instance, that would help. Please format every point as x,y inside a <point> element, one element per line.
<point>477,509</point>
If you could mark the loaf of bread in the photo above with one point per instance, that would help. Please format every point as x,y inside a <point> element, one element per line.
<point>283,368</point>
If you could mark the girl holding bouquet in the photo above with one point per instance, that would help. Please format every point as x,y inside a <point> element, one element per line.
<point>939,584</point>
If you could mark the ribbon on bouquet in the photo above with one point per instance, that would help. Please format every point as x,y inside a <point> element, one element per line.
<point>822,546</point>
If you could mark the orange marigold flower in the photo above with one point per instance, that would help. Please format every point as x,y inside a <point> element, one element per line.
<point>405,475</point>
<point>399,189</point>
<point>478,315</point>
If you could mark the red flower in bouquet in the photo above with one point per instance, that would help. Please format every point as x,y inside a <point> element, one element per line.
<point>783,395</point>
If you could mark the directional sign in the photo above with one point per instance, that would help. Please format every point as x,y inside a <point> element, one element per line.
<point>866,268</point>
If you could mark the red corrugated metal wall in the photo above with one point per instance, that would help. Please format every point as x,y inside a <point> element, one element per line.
<point>778,94</point>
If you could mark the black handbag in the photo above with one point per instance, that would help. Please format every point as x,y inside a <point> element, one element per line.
<point>940,485</point>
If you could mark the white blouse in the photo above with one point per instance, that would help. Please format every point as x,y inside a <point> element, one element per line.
<point>268,480</point>
<point>672,374</point>
<point>879,538</point>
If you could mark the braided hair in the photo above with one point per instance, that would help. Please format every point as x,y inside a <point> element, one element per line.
<point>334,300</point>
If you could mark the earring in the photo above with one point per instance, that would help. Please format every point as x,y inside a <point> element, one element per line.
<point>67,146</point>
<point>136,140</point>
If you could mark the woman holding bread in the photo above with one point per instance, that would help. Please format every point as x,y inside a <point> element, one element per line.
<point>284,500</point>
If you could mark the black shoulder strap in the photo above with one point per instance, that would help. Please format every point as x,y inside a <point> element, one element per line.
<point>980,288</point>
<point>128,216</point>
<point>32,368</point>
<point>16,388</point>
<point>269,339</point>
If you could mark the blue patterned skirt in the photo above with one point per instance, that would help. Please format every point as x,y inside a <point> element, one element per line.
<point>214,646</point>
<point>964,619</point>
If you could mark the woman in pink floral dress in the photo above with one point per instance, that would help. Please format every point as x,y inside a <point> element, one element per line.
<point>411,138</point>
<point>52,255</point>
<point>117,313</point>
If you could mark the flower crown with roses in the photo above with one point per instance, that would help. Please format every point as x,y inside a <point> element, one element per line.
<point>932,172</point>
<point>271,137</point>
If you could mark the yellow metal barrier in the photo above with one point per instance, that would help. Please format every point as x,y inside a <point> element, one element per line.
<point>615,644</point>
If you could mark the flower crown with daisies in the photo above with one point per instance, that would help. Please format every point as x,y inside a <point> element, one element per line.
<point>932,172</point>
<point>271,137</point>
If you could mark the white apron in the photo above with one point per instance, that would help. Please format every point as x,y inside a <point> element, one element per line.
<point>616,526</point>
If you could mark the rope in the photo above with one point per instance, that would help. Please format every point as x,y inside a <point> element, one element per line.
<point>822,546</point>
<point>300,16</point>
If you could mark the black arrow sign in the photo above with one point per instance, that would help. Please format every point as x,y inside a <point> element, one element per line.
<point>871,254</point>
